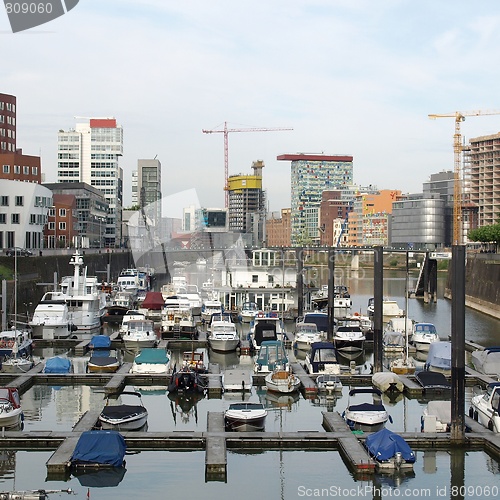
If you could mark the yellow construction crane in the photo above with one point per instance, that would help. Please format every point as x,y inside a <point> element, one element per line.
<point>457,171</point>
<point>225,131</point>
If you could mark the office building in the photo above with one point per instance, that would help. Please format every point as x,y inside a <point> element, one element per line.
<point>90,153</point>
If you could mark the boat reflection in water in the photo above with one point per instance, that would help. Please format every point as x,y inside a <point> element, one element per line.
<point>184,406</point>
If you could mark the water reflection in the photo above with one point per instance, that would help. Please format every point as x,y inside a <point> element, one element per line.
<point>184,406</point>
<point>104,478</point>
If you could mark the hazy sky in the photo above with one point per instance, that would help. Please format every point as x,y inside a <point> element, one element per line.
<point>355,77</point>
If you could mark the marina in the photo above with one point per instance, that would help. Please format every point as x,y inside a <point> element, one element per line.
<point>306,425</point>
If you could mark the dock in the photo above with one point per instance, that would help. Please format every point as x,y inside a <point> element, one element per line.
<point>308,384</point>
<point>215,444</point>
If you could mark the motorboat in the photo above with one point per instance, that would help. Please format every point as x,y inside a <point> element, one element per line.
<point>152,306</point>
<point>99,449</point>
<point>401,324</point>
<point>432,381</point>
<point>439,358</point>
<point>130,315</point>
<point>485,407</point>
<point>281,380</point>
<point>320,319</point>
<point>367,416</point>
<point>237,379</point>
<point>11,413</point>
<point>128,281</point>
<point>58,365</point>
<point>322,359</point>
<point>100,342</point>
<point>393,342</point>
<point>177,319</point>
<point>245,416</point>
<point>328,383</point>
<point>270,317</point>
<point>223,336</point>
<point>424,334</point>
<point>248,312</point>
<point>436,417</point>
<point>306,334</point>
<point>187,380</point>
<point>151,360</point>
<point>140,333</point>
<point>86,301</point>
<point>15,339</point>
<point>123,417</point>
<point>389,450</point>
<point>102,361</point>
<point>209,308</point>
<point>195,360</point>
<point>403,365</point>
<point>342,302</point>
<point>349,339</point>
<point>272,355</point>
<point>390,309</point>
<point>263,332</point>
<point>192,295</point>
<point>387,382</point>
<point>487,360</point>
<point>51,318</point>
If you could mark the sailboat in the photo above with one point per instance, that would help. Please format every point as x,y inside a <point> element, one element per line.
<point>404,365</point>
<point>16,363</point>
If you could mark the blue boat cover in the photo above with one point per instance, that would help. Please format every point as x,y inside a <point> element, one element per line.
<point>100,342</point>
<point>384,444</point>
<point>152,355</point>
<point>99,448</point>
<point>57,365</point>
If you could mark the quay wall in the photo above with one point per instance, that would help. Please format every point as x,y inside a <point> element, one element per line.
<point>33,271</point>
<point>482,283</point>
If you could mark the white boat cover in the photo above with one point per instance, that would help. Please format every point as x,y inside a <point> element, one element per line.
<point>386,381</point>
<point>441,410</point>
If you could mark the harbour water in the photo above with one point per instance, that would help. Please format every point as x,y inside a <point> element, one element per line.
<point>269,474</point>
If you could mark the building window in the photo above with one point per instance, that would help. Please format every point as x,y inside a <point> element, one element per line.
<point>6,168</point>
<point>3,219</point>
<point>32,218</point>
<point>255,278</point>
<point>17,169</point>
<point>34,170</point>
<point>19,201</point>
<point>52,226</point>
<point>62,226</point>
<point>62,212</point>
<point>4,201</point>
<point>26,170</point>
<point>15,218</point>
<point>52,212</point>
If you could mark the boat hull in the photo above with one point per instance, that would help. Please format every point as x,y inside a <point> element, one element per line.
<point>282,382</point>
<point>245,425</point>
<point>126,424</point>
<point>9,419</point>
<point>222,345</point>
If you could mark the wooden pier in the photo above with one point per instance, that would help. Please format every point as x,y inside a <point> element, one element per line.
<point>308,384</point>
<point>215,454</point>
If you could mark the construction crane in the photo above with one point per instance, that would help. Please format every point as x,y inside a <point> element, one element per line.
<point>457,171</point>
<point>226,131</point>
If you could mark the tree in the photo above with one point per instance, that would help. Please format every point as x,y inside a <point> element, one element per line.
<point>486,234</point>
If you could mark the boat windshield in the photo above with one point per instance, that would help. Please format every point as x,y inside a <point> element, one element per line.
<point>322,355</point>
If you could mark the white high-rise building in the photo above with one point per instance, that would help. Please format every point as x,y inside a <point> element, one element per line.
<point>89,153</point>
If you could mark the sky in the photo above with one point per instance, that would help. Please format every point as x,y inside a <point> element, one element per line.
<point>355,77</point>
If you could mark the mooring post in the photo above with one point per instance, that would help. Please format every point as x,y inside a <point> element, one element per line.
<point>299,252</point>
<point>331,293</point>
<point>378,289</point>
<point>457,430</point>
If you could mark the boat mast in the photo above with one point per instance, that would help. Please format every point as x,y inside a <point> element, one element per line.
<point>406,306</point>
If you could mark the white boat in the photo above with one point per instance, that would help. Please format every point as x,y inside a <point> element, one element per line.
<point>424,334</point>
<point>192,295</point>
<point>248,312</point>
<point>86,302</point>
<point>393,342</point>
<point>245,417</point>
<point>128,281</point>
<point>436,417</point>
<point>306,334</point>
<point>270,317</point>
<point>349,339</point>
<point>209,308</point>
<point>16,363</point>
<point>151,360</point>
<point>367,416</point>
<point>283,381</point>
<point>322,359</point>
<point>485,407</point>
<point>140,333</point>
<point>177,319</point>
<point>51,318</point>
<point>387,382</point>
<point>130,315</point>
<point>401,324</point>
<point>15,339</point>
<point>390,309</point>
<point>11,413</point>
<point>487,361</point>
<point>328,383</point>
<point>263,331</point>
<point>124,299</point>
<point>439,358</point>
<point>123,417</point>
<point>223,336</point>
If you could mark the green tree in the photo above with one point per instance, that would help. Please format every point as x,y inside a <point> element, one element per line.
<point>486,234</point>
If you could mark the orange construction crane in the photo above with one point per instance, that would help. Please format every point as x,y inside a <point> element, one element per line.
<point>457,171</point>
<point>226,131</point>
